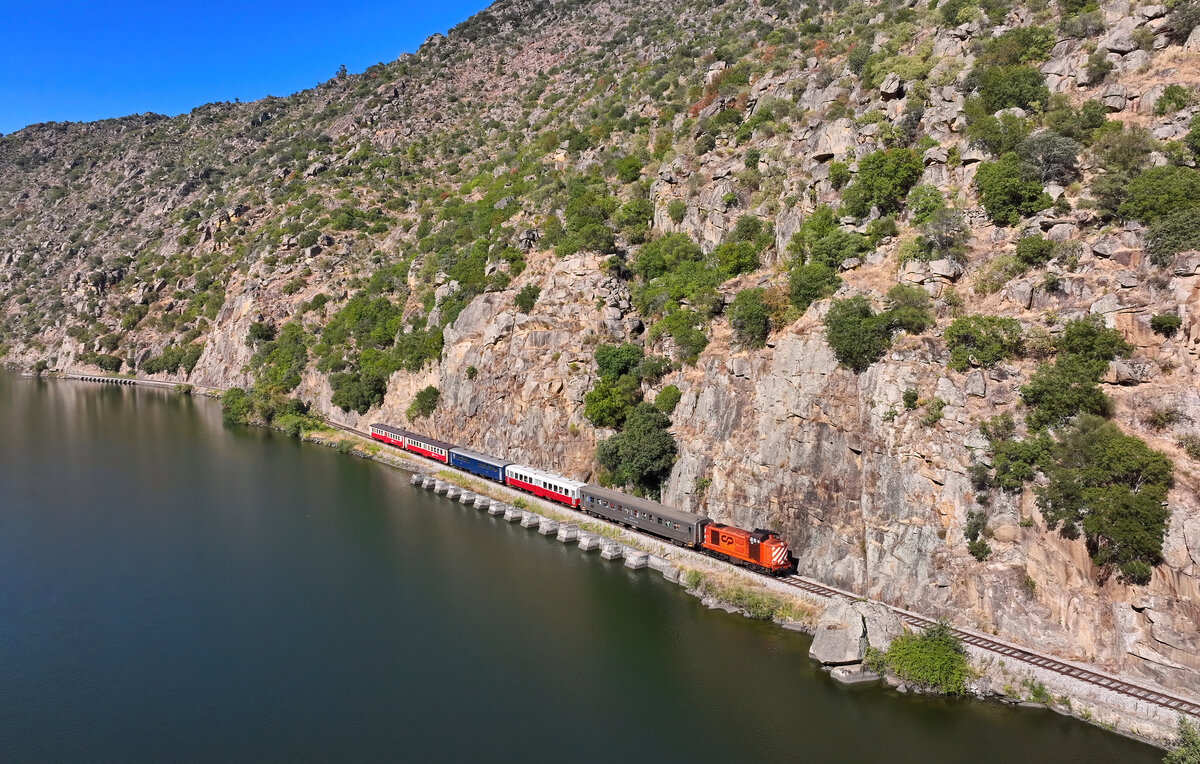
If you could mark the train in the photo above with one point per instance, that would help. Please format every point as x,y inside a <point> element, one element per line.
<point>759,549</point>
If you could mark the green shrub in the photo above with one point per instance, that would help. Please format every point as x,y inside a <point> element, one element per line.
<point>526,298</point>
<point>1009,190</point>
<point>943,235</point>
<point>809,283</point>
<point>934,660</point>
<point>884,178</point>
<point>677,210</point>
<point>1173,233</point>
<point>734,258</point>
<point>236,407</point>
<point>1187,749</point>
<point>667,399</point>
<point>999,135</point>
<point>1098,67</point>
<point>279,363</point>
<point>1160,192</point>
<point>749,318</point>
<point>910,399</point>
<point>1190,445</point>
<point>1113,488</point>
<point>934,411</point>
<point>608,403</point>
<point>856,334</point>
<point>1174,97</point>
<point>616,361</point>
<point>1166,324</point>
<point>979,549</point>
<point>982,341</point>
<point>1002,87</point>
<point>1022,45</point>
<point>1060,391</point>
<point>908,308</point>
<point>642,454</point>
<point>1090,340</point>
<point>839,175</point>
<point>1033,251</point>
<point>424,404</point>
<point>976,524</point>
<point>684,327</point>
<point>923,201</point>
<point>1080,125</point>
<point>134,316</point>
<point>629,169</point>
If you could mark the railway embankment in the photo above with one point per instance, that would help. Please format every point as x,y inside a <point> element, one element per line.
<point>843,624</point>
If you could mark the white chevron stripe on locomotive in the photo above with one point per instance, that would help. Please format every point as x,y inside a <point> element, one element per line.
<point>779,556</point>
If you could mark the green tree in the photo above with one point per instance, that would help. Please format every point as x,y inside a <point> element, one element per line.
<point>666,254</point>
<point>235,406</point>
<point>982,341</point>
<point>424,404</point>
<point>1009,190</point>
<point>677,210</point>
<point>1173,233</point>
<point>884,179</point>
<point>734,258</point>
<point>642,455</point>
<point>923,201</point>
<point>527,297</point>
<point>609,402</point>
<point>856,334</point>
<point>667,399</point>
<point>615,361</point>
<point>809,283</point>
<point>1002,87</point>
<point>1113,488</point>
<point>908,308</point>
<point>1161,191</point>
<point>629,169</point>
<point>1059,391</point>
<point>749,318</point>
<point>1055,156</point>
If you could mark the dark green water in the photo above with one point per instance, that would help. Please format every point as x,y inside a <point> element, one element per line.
<point>173,590</point>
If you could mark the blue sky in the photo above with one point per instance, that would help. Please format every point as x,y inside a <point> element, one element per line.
<point>69,60</point>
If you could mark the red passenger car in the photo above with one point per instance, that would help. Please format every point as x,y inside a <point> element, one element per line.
<point>389,435</point>
<point>543,484</point>
<point>430,448</point>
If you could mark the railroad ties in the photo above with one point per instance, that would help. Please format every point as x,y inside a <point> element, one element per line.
<point>564,532</point>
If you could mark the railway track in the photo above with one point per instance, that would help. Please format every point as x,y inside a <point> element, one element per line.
<point>1013,652</point>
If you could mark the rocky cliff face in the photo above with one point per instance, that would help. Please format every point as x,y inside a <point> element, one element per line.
<point>129,237</point>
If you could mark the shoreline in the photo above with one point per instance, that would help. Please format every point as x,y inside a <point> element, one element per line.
<point>1002,682</point>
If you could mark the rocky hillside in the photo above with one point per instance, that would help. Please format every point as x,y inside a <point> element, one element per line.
<point>916,285</point>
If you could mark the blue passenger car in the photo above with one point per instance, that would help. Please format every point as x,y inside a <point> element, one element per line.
<point>478,464</point>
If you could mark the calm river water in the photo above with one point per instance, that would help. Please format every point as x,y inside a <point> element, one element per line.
<point>175,590</point>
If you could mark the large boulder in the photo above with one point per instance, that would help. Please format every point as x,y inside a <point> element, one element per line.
<point>835,139</point>
<point>840,637</point>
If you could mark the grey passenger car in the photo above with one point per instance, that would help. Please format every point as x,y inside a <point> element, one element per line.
<point>643,514</point>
